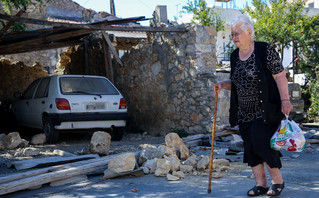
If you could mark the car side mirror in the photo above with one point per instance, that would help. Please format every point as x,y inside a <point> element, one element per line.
<point>17,94</point>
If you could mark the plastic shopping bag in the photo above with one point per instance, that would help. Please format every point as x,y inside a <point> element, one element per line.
<point>288,137</point>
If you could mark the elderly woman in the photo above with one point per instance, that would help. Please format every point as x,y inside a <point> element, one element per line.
<point>259,100</point>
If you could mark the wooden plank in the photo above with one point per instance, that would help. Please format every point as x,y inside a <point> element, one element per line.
<point>47,39</point>
<point>17,176</point>
<point>86,56</point>
<point>11,22</point>
<point>107,61</point>
<point>60,173</point>
<point>41,162</point>
<point>312,141</point>
<point>39,47</point>
<point>49,177</point>
<point>31,173</point>
<point>193,143</point>
<point>194,137</point>
<point>111,47</point>
<point>224,133</point>
<point>95,26</point>
<point>102,25</point>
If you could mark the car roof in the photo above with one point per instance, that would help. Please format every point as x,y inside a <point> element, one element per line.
<point>72,75</point>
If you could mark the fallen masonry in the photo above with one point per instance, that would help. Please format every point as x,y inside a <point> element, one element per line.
<point>174,160</point>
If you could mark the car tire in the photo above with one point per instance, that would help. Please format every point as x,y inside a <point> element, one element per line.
<point>117,133</point>
<point>51,134</point>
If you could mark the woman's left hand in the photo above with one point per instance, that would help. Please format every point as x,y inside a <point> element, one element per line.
<point>286,107</point>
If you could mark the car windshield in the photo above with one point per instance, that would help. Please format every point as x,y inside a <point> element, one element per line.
<point>86,85</point>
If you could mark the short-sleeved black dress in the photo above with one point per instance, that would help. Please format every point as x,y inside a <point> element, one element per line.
<point>256,134</point>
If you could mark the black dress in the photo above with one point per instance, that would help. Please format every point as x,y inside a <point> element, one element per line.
<point>255,133</point>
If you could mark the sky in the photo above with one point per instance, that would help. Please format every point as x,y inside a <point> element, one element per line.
<point>135,8</point>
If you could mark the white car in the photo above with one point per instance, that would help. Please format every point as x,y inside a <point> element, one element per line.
<point>68,102</point>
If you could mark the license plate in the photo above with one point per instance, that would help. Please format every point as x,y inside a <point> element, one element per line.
<point>95,106</point>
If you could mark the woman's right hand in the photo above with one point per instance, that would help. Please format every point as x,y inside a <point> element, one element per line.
<point>226,84</point>
<point>217,87</point>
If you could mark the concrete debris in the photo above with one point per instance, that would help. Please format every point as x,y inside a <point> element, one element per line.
<point>172,140</point>
<point>151,165</point>
<point>122,163</point>
<point>100,143</point>
<point>172,177</point>
<point>63,153</point>
<point>38,139</point>
<point>202,163</point>
<point>27,152</point>
<point>179,174</point>
<point>11,141</point>
<point>163,167</point>
<point>148,152</point>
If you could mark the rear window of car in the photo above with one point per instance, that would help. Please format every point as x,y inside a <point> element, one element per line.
<point>86,85</point>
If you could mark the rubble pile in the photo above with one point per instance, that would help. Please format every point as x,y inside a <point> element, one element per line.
<point>176,159</point>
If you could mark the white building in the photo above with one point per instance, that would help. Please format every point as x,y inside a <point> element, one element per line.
<point>223,37</point>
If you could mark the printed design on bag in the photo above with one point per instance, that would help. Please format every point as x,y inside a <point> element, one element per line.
<point>288,137</point>
<point>294,145</point>
<point>282,136</point>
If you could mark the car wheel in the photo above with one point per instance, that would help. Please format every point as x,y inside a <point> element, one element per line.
<point>117,133</point>
<point>48,129</point>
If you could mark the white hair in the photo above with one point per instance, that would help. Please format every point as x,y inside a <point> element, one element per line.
<point>244,23</point>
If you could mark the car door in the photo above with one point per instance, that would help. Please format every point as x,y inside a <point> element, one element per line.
<point>22,106</point>
<point>39,103</point>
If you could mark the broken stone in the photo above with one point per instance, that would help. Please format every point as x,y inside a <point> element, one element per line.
<point>196,173</point>
<point>179,174</point>
<point>202,163</point>
<point>122,163</point>
<point>100,143</point>
<point>151,165</point>
<point>11,141</point>
<point>186,168</point>
<point>172,140</point>
<point>148,152</point>
<point>146,170</point>
<point>224,168</point>
<point>191,161</point>
<point>62,153</point>
<point>163,167</point>
<point>217,163</point>
<point>23,144</point>
<point>172,177</point>
<point>175,162</point>
<point>27,152</point>
<point>163,150</point>
<point>38,139</point>
<point>216,175</point>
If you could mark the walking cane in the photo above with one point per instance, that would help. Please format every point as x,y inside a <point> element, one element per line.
<point>212,143</point>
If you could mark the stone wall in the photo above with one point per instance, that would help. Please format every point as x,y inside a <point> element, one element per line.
<point>64,9</point>
<point>16,77</point>
<point>168,81</point>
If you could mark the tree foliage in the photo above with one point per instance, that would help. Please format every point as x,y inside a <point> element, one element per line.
<point>286,24</point>
<point>204,15</point>
<point>9,5</point>
<point>278,22</point>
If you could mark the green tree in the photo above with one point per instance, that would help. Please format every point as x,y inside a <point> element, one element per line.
<point>8,5</point>
<point>204,15</point>
<point>278,22</point>
<point>286,24</point>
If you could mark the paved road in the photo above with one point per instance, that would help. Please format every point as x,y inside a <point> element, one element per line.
<point>301,175</point>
